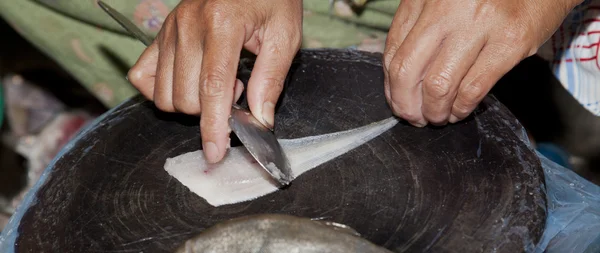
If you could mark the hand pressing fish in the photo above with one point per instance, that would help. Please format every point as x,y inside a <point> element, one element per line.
<point>239,178</point>
<point>268,233</point>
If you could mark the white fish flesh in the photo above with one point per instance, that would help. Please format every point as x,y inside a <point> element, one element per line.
<point>238,177</point>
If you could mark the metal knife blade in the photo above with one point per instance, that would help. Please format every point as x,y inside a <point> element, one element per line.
<point>267,150</point>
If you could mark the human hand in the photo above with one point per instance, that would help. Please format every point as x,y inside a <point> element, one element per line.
<point>192,64</point>
<point>443,56</point>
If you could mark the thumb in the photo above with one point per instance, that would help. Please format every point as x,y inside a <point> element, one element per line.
<point>268,76</point>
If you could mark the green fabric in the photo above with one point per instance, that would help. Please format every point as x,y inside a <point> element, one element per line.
<point>97,58</point>
<point>85,41</point>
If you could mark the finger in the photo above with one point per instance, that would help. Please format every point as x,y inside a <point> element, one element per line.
<point>403,22</point>
<point>442,80</point>
<point>217,80</point>
<point>492,63</point>
<point>405,18</point>
<point>187,66</point>
<point>407,68</point>
<point>142,73</point>
<point>238,90</point>
<point>163,88</point>
<point>269,73</point>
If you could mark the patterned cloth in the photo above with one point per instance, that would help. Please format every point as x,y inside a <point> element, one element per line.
<point>573,52</point>
<point>98,52</point>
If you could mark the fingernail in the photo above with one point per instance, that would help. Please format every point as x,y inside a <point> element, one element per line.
<point>267,113</point>
<point>211,151</point>
<point>453,119</point>
<point>420,124</point>
<point>228,143</point>
<point>238,90</point>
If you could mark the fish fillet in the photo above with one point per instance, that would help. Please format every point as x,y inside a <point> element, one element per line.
<point>238,177</point>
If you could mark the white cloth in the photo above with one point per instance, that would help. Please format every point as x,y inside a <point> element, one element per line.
<point>573,52</point>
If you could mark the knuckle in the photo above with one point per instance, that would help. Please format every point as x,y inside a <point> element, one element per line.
<point>213,86</point>
<point>472,93</point>
<point>437,85</point>
<point>135,75</point>
<point>399,69</point>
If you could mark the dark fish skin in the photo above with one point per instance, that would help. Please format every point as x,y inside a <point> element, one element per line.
<point>275,233</point>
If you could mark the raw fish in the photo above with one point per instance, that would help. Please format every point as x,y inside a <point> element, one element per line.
<point>239,178</point>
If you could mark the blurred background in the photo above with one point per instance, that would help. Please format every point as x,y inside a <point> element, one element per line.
<point>41,108</point>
